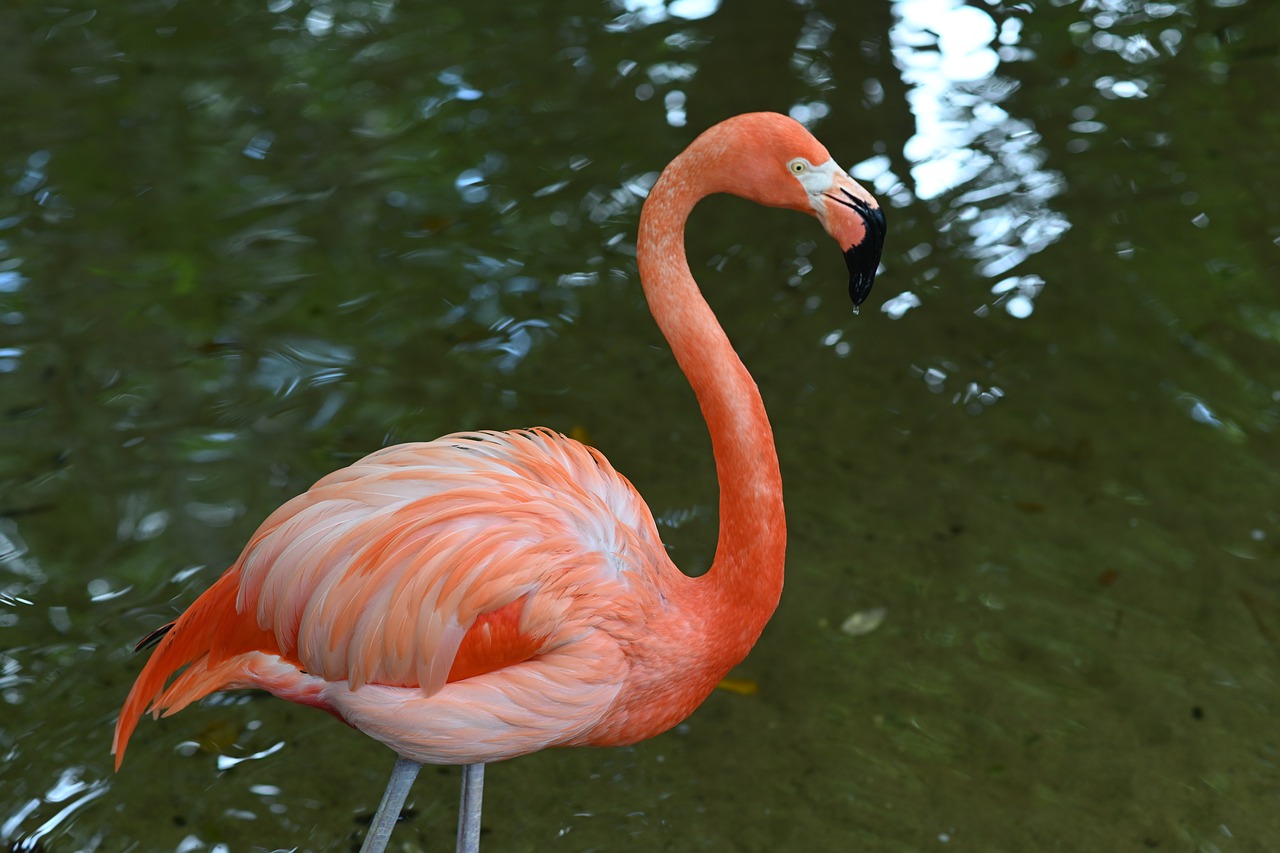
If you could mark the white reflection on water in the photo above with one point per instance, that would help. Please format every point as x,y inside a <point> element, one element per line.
<point>69,789</point>
<point>644,13</point>
<point>226,762</point>
<point>459,90</point>
<point>968,150</point>
<point>319,21</point>
<point>11,677</point>
<point>13,557</point>
<point>302,363</point>
<point>192,843</point>
<point>809,60</point>
<point>900,304</point>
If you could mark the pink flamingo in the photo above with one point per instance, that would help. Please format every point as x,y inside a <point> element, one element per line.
<point>489,594</point>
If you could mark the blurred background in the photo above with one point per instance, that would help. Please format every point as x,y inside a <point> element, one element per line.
<point>1033,594</point>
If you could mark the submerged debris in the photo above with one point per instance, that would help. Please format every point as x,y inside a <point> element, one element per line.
<point>863,621</point>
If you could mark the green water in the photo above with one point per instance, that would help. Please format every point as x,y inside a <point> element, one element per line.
<point>244,243</point>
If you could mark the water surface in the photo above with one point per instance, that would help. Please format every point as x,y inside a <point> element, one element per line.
<point>244,243</point>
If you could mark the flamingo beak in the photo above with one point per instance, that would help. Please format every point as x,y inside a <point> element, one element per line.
<point>863,258</point>
<point>855,219</point>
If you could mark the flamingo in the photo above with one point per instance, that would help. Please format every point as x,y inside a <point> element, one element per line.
<point>490,594</point>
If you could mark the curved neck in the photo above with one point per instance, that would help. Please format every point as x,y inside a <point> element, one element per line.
<point>736,597</point>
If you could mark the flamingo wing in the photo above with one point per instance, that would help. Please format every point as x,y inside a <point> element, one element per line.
<point>417,566</point>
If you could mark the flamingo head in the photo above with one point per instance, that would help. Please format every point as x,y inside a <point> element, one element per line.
<point>772,159</point>
<point>851,215</point>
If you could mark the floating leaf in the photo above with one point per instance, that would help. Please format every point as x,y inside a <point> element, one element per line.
<point>741,686</point>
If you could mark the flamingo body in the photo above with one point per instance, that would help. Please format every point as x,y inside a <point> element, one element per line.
<point>476,597</point>
<point>489,594</point>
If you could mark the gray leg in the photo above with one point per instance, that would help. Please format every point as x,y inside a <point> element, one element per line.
<point>469,808</point>
<point>384,820</point>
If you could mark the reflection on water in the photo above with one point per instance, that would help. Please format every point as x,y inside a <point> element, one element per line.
<point>242,244</point>
<point>987,164</point>
<point>644,13</point>
<point>69,794</point>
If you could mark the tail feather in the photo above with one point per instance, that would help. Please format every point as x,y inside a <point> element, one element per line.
<point>205,640</point>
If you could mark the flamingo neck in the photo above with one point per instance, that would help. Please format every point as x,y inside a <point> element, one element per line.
<point>736,597</point>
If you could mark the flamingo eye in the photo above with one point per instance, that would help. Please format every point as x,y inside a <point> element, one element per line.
<point>798,167</point>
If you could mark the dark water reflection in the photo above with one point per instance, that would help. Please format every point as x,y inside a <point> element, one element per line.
<point>243,243</point>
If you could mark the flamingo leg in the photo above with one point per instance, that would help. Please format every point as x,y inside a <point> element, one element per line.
<point>469,808</point>
<point>384,820</point>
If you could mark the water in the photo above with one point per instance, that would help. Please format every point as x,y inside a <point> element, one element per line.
<point>244,243</point>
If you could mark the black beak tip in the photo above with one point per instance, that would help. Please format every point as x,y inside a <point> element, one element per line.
<point>860,280</point>
<point>864,259</point>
